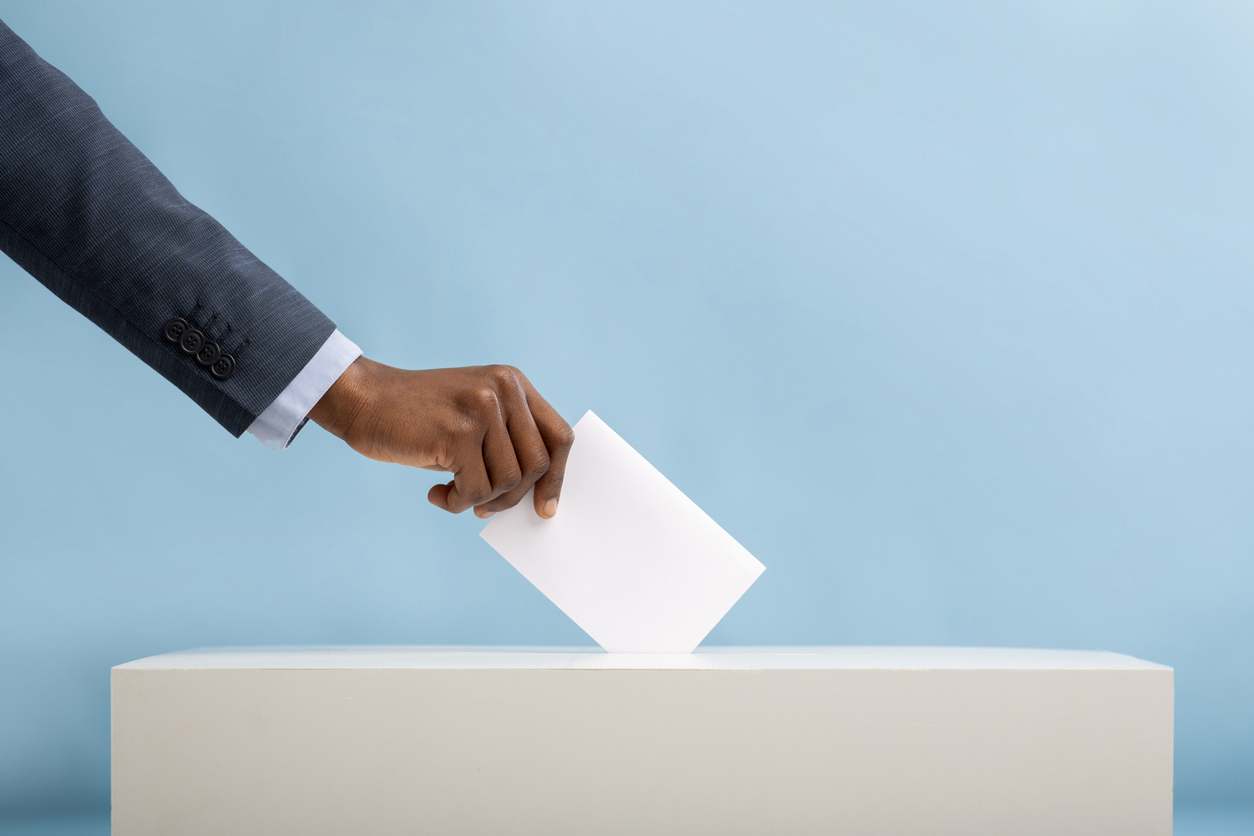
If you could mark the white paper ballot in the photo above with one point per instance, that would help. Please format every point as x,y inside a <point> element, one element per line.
<point>628,557</point>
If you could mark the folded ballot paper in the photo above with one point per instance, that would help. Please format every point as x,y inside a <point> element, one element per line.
<point>628,557</point>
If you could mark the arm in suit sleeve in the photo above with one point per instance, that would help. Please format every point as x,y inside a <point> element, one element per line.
<point>91,218</point>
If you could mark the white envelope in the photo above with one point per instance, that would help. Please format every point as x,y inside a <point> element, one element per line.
<point>628,557</point>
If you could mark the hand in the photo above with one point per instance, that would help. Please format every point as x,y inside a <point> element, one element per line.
<point>486,425</point>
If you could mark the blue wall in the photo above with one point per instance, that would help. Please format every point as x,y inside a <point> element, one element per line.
<point>948,316</point>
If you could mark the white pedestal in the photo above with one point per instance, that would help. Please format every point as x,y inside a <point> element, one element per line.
<point>511,741</point>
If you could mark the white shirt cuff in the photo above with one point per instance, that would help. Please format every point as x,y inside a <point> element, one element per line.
<point>283,419</point>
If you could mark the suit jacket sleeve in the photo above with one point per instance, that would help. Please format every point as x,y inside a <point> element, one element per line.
<point>88,215</point>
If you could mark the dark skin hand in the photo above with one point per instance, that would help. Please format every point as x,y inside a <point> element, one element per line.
<point>486,425</point>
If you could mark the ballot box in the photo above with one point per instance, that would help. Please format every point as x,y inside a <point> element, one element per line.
<point>505,740</point>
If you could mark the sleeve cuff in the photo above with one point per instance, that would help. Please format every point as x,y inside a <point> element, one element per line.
<point>283,419</point>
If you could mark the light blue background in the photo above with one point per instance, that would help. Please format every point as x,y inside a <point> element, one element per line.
<point>946,314</point>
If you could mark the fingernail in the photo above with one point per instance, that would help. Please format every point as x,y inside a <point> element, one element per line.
<point>486,514</point>
<point>550,508</point>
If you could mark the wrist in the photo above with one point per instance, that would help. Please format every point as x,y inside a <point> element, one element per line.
<point>346,400</point>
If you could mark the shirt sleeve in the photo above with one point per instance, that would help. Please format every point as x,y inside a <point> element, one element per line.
<point>287,416</point>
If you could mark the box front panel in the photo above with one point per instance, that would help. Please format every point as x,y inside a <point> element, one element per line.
<point>637,751</point>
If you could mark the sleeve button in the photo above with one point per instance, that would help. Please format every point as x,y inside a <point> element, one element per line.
<point>208,354</point>
<point>191,341</point>
<point>174,329</point>
<point>223,367</point>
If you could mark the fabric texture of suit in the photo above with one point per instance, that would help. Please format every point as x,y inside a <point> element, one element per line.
<point>90,217</point>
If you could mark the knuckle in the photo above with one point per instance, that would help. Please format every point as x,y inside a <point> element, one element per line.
<point>511,480</point>
<point>538,464</point>
<point>564,436</point>
<point>503,375</point>
<point>484,397</point>
<point>478,495</point>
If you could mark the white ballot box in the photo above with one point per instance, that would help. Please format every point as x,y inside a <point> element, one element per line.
<point>804,740</point>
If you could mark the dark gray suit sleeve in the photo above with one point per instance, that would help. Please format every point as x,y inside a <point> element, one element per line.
<point>88,215</point>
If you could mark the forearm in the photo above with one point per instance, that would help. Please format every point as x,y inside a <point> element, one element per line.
<point>88,215</point>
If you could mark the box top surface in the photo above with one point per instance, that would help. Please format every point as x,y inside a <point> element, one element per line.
<point>429,657</point>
